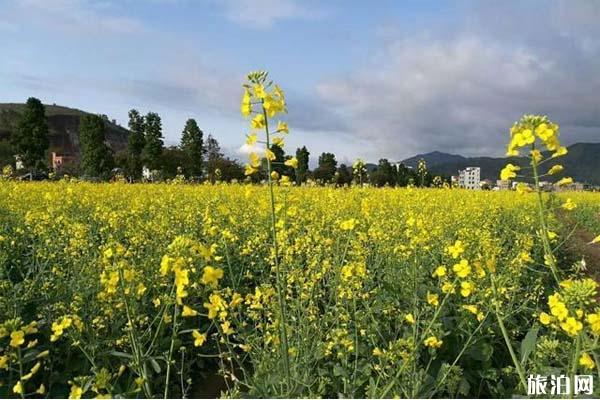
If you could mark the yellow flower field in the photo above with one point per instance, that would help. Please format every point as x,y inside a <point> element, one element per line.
<point>275,290</point>
<point>149,290</point>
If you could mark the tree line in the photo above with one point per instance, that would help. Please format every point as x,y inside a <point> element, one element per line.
<point>196,158</point>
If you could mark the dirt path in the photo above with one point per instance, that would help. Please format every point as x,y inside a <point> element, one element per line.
<point>578,246</point>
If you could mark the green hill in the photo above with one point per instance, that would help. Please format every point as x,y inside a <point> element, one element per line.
<point>63,127</point>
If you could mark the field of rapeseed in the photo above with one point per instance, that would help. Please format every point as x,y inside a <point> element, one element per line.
<point>145,290</point>
<point>172,290</point>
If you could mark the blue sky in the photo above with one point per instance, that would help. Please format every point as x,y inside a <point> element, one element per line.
<point>364,79</point>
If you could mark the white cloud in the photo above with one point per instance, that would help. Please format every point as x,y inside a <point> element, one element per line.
<point>458,94</point>
<point>264,13</point>
<point>74,16</point>
<point>246,149</point>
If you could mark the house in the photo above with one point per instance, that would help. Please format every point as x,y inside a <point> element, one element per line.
<point>60,160</point>
<point>469,178</point>
<point>503,185</point>
<point>19,163</point>
<point>573,187</point>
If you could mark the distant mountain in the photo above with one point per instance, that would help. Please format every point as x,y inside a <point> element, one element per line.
<point>63,127</point>
<point>582,163</point>
<point>433,158</point>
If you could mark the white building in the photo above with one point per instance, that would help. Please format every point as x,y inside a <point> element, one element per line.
<point>469,178</point>
<point>502,185</point>
<point>397,165</point>
<point>19,163</point>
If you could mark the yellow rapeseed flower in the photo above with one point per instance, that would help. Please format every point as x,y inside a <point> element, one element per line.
<point>586,361</point>
<point>246,107</point>
<point>76,392</point>
<point>226,327</point>
<point>211,276</point>
<point>509,172</point>
<point>188,312</point>
<point>348,224</point>
<point>292,162</point>
<point>282,127</point>
<point>555,169</point>
<point>258,122</point>
<point>569,205</point>
<point>433,342</point>
<point>565,181</point>
<point>571,326</point>
<point>270,155</point>
<point>545,318</point>
<point>448,287</point>
<point>18,388</point>
<point>251,139</point>
<point>41,389</point>
<point>433,299</point>
<point>199,338</point>
<point>456,249</point>
<point>17,338</point>
<point>466,288</point>
<point>439,272</point>
<point>462,269</point>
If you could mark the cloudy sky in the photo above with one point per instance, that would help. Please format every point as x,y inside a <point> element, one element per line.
<point>364,79</point>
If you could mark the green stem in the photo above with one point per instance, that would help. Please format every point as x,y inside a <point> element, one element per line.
<point>542,213</point>
<point>280,282</point>
<point>575,362</point>
<point>464,348</point>
<point>137,355</point>
<point>513,355</point>
<point>389,387</point>
<point>21,372</point>
<point>169,358</point>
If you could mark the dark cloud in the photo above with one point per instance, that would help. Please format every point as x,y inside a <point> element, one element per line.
<point>461,92</point>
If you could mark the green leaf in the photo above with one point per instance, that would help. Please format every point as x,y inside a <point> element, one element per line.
<point>121,354</point>
<point>155,365</point>
<point>528,343</point>
<point>464,387</point>
<point>481,352</point>
<point>338,370</point>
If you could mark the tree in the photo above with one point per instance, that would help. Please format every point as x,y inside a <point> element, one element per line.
<point>229,170</point>
<point>302,170</point>
<point>277,163</point>
<point>343,175</point>
<point>154,144</point>
<point>96,158</point>
<point>7,155</point>
<point>212,157</point>
<point>289,171</point>
<point>193,147</point>
<point>172,158</point>
<point>326,169</point>
<point>135,145</point>
<point>403,175</point>
<point>385,174</point>
<point>30,138</point>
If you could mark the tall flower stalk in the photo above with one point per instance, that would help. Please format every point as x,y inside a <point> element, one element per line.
<point>264,101</point>
<point>532,133</point>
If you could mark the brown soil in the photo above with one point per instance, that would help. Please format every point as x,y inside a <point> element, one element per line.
<point>590,252</point>
<point>579,246</point>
